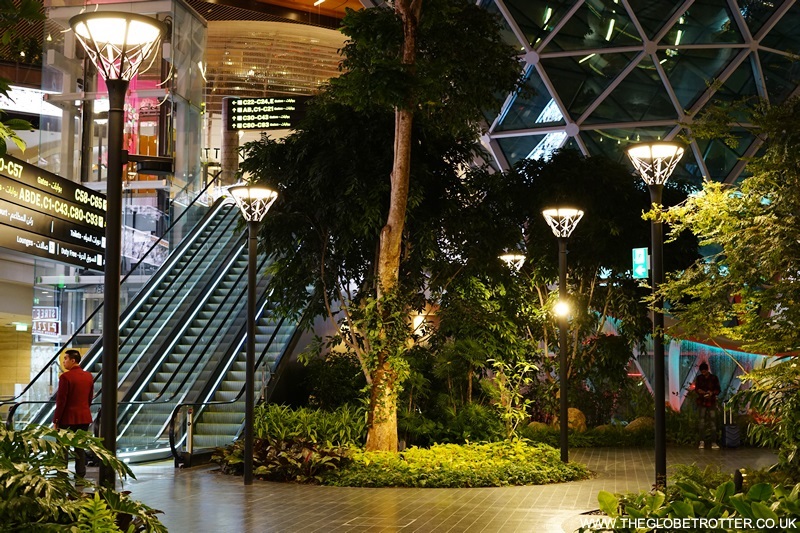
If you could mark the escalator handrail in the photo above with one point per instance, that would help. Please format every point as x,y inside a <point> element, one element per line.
<point>189,373</point>
<point>173,417</point>
<point>93,313</point>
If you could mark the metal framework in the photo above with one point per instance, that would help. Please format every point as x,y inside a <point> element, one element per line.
<point>253,200</point>
<point>605,74</point>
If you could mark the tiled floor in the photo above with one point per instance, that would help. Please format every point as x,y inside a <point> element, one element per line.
<point>202,500</point>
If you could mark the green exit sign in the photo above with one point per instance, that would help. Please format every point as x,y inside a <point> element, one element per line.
<point>641,263</point>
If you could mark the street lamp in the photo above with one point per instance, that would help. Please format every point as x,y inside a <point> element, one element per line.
<point>514,260</point>
<point>254,202</point>
<point>563,221</point>
<point>118,44</point>
<point>655,163</point>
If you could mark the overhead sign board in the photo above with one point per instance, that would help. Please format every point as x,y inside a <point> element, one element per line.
<point>46,215</point>
<point>270,113</point>
<point>641,263</point>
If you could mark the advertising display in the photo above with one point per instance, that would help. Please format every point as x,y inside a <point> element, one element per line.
<point>51,217</point>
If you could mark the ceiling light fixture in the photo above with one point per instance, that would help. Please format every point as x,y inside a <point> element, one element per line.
<point>318,2</point>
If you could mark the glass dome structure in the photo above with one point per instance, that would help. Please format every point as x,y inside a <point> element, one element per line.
<point>602,74</point>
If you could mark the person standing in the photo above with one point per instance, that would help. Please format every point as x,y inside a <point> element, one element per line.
<point>75,392</point>
<point>706,386</point>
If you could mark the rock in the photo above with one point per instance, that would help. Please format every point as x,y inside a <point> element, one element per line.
<point>604,428</point>
<point>641,423</point>
<point>576,420</point>
<point>538,426</point>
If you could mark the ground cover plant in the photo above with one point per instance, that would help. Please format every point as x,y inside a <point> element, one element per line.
<point>495,464</point>
<point>37,494</point>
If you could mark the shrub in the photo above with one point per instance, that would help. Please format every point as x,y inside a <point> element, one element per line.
<point>296,444</point>
<point>600,437</point>
<point>346,426</point>
<point>474,422</point>
<point>36,492</point>
<point>448,465</point>
<point>282,460</point>
<point>706,493</point>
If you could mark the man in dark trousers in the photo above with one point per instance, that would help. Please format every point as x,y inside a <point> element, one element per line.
<point>706,386</point>
<point>75,391</point>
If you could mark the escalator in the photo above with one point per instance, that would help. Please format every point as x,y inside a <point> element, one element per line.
<point>182,338</point>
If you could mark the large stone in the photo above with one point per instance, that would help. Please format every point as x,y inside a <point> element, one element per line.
<point>640,424</point>
<point>604,428</point>
<point>576,420</point>
<point>538,426</point>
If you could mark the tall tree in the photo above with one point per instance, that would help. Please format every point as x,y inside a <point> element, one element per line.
<point>438,61</point>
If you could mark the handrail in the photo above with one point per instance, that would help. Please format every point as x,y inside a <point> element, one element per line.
<point>273,376</point>
<point>196,265</point>
<point>180,366</point>
<point>93,313</point>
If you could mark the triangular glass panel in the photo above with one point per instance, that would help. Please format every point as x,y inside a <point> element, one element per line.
<point>596,24</point>
<point>691,71</point>
<point>740,85</point>
<point>705,22</point>
<point>757,12</point>
<point>537,19</point>
<point>784,35</point>
<point>640,96</point>
<point>721,158</point>
<point>580,80</point>
<point>781,75</point>
<point>653,14</point>
<point>687,171</point>
<point>571,144</point>
<point>612,143</point>
<point>518,148</point>
<point>531,107</point>
<point>506,33</point>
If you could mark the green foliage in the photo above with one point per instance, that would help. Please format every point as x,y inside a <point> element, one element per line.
<point>13,12</point>
<point>335,380</point>
<point>36,492</point>
<point>449,465</point>
<point>297,445</point>
<point>472,422</point>
<point>283,460</point>
<point>345,426</point>
<point>747,289</point>
<point>614,437</point>
<point>695,499</point>
<point>774,398</point>
<point>504,389</point>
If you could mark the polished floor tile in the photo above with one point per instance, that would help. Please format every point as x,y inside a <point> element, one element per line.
<point>200,500</point>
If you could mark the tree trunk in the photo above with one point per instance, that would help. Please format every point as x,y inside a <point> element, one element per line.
<point>382,433</point>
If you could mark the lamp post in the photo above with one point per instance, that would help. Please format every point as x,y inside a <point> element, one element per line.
<point>118,43</point>
<point>254,202</point>
<point>563,221</point>
<point>655,163</point>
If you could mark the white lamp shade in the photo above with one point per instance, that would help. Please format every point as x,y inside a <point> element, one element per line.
<point>655,162</point>
<point>513,260</point>
<point>562,220</point>
<point>118,42</point>
<point>253,200</point>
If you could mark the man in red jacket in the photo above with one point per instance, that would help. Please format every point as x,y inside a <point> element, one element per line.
<point>706,386</point>
<point>75,391</point>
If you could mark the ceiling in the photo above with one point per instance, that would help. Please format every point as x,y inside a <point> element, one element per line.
<point>331,8</point>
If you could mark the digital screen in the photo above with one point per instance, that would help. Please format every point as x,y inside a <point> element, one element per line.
<point>46,215</point>
<point>273,113</point>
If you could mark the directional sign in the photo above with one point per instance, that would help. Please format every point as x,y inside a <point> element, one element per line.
<point>641,263</point>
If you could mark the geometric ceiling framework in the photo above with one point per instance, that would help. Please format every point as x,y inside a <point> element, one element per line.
<point>602,74</point>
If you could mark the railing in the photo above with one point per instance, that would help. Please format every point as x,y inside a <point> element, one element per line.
<point>185,414</point>
<point>34,387</point>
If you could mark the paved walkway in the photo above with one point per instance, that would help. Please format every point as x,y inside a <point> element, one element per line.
<point>203,500</point>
